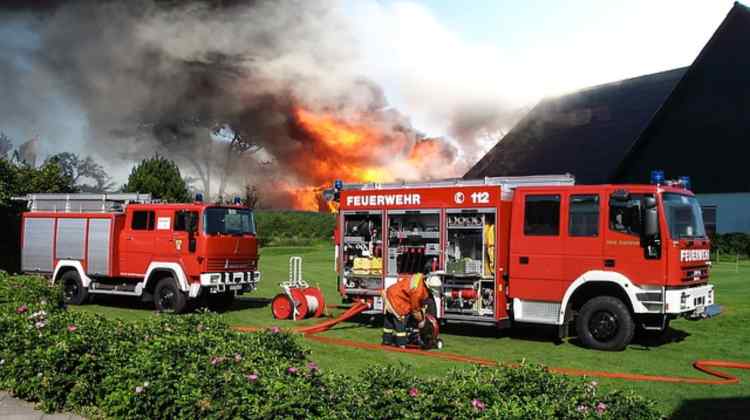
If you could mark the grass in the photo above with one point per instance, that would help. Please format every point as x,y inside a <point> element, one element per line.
<point>724,337</point>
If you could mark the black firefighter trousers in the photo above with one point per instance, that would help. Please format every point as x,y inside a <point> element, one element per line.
<point>394,330</point>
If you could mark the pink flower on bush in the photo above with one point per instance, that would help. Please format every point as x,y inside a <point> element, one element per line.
<point>22,309</point>
<point>583,408</point>
<point>215,360</point>
<point>313,367</point>
<point>601,408</point>
<point>275,330</point>
<point>292,370</point>
<point>253,377</point>
<point>72,328</point>
<point>478,404</point>
<point>138,389</point>
<point>413,392</point>
<point>594,384</point>
<point>40,324</point>
<point>237,357</point>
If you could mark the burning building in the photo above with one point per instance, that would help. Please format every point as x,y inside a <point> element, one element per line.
<point>149,76</point>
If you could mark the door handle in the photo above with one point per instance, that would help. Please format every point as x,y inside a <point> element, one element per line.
<point>129,238</point>
<point>610,263</point>
<point>523,260</point>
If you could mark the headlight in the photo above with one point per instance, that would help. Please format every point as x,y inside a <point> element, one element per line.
<point>215,278</point>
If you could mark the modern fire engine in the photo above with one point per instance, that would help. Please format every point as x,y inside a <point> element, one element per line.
<point>128,244</point>
<point>607,259</point>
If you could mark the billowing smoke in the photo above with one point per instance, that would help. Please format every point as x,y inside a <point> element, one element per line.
<point>268,93</point>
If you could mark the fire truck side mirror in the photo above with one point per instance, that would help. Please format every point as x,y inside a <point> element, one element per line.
<point>650,218</point>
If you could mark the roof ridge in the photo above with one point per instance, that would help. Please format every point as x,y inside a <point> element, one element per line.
<point>629,79</point>
<point>640,140</point>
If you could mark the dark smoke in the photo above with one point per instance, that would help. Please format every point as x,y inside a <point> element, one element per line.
<point>125,79</point>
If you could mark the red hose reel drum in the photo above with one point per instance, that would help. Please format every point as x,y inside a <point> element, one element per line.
<point>308,302</point>
<point>299,300</point>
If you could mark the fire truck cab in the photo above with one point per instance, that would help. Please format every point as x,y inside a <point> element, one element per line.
<point>127,244</point>
<point>608,259</point>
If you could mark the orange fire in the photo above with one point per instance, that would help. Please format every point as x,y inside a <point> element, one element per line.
<point>363,149</point>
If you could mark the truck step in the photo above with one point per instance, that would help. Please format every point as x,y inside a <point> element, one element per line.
<point>113,289</point>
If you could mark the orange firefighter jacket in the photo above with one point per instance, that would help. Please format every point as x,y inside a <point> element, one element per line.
<point>406,295</point>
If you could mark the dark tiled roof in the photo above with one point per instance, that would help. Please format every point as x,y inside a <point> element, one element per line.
<point>586,133</point>
<point>689,121</point>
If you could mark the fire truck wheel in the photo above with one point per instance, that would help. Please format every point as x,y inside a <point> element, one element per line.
<point>604,323</point>
<point>221,302</point>
<point>73,291</point>
<point>168,297</point>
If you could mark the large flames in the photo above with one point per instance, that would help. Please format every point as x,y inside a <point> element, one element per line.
<point>360,149</point>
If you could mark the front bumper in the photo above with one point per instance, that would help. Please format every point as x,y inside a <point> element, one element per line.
<point>239,281</point>
<point>691,302</point>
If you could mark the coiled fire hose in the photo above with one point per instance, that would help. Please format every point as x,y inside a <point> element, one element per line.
<point>705,366</point>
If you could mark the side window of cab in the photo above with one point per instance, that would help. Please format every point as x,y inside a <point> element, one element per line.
<point>143,220</point>
<point>185,221</point>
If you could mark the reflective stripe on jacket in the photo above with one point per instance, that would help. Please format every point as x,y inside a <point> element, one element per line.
<point>406,295</point>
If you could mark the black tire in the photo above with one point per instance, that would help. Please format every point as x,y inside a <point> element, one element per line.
<point>168,297</point>
<point>73,291</point>
<point>605,323</point>
<point>221,302</point>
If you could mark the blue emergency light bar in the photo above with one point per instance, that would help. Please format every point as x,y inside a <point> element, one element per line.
<point>338,184</point>
<point>198,197</point>
<point>657,177</point>
<point>685,181</point>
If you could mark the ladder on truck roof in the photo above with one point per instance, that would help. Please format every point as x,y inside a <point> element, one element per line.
<point>506,181</point>
<point>82,202</point>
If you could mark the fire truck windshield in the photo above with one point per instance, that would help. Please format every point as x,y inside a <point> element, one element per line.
<point>684,216</point>
<point>228,221</point>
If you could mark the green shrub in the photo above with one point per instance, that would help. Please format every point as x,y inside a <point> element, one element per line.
<point>293,228</point>
<point>194,366</point>
<point>731,244</point>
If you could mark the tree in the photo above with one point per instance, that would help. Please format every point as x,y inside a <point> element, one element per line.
<point>252,196</point>
<point>5,146</point>
<point>160,177</point>
<point>80,169</point>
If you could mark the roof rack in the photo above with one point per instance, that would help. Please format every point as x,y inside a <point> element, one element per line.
<point>82,202</point>
<point>508,181</point>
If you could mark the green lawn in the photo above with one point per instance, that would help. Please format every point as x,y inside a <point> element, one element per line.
<point>724,337</point>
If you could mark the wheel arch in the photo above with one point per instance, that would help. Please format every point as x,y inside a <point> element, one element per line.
<point>597,283</point>
<point>64,266</point>
<point>157,271</point>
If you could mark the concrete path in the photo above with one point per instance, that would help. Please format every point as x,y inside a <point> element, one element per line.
<point>15,409</point>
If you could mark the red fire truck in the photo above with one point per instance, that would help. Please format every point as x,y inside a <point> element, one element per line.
<point>607,259</point>
<point>127,244</point>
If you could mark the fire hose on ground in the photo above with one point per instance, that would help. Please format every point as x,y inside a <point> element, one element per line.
<point>708,367</point>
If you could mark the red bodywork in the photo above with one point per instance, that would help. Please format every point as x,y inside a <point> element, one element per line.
<point>531,268</point>
<point>132,251</point>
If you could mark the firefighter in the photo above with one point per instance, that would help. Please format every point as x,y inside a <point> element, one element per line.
<point>402,299</point>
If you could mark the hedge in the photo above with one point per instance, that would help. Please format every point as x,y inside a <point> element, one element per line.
<point>293,228</point>
<point>194,366</point>
<point>731,244</point>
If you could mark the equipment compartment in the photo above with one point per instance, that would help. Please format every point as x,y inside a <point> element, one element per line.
<point>363,250</point>
<point>413,241</point>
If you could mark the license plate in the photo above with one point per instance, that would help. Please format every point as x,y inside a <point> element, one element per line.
<point>377,303</point>
<point>235,287</point>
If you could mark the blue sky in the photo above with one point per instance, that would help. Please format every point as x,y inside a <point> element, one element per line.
<point>433,56</point>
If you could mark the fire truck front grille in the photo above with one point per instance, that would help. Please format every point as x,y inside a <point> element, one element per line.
<point>695,273</point>
<point>228,264</point>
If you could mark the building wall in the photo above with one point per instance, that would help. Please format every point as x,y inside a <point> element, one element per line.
<point>732,211</point>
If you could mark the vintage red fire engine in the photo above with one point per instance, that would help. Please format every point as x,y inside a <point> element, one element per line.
<point>126,244</point>
<point>608,259</point>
